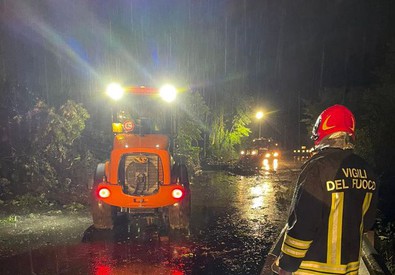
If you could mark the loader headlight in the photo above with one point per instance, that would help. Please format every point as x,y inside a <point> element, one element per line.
<point>115,91</point>
<point>168,93</point>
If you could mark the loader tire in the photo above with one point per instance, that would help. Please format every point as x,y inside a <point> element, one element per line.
<point>102,213</point>
<point>179,214</point>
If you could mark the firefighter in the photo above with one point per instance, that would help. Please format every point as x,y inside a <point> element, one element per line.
<point>334,202</point>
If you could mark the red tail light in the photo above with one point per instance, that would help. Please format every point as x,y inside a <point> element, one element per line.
<point>104,193</point>
<point>177,193</point>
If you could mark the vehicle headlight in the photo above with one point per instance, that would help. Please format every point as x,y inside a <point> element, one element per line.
<point>267,155</point>
<point>275,154</point>
<point>254,152</point>
<point>115,91</point>
<point>168,93</point>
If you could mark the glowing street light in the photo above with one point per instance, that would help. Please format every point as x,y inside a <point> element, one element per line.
<point>115,91</point>
<point>259,115</point>
<point>168,93</point>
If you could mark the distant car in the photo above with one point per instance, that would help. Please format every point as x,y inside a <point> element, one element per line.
<point>263,153</point>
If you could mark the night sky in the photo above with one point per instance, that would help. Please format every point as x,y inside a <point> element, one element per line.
<point>279,52</point>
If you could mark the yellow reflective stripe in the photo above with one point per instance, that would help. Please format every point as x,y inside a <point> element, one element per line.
<point>309,266</point>
<point>329,267</point>
<point>366,204</point>
<point>335,225</point>
<point>306,272</point>
<point>340,228</point>
<point>309,272</point>
<point>300,244</point>
<point>330,232</point>
<point>293,252</point>
<point>365,207</point>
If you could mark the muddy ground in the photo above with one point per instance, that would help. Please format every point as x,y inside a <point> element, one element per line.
<point>24,232</point>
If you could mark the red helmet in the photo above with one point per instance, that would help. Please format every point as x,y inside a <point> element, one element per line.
<point>336,118</point>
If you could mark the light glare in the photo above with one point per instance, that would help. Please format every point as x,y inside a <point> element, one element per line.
<point>104,193</point>
<point>177,193</point>
<point>168,93</point>
<point>259,115</point>
<point>115,91</point>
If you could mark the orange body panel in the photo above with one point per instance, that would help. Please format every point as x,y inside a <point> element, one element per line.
<point>131,143</point>
<point>125,141</point>
<point>142,90</point>
<point>160,199</point>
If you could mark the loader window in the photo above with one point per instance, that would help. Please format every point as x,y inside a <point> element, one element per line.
<point>141,173</point>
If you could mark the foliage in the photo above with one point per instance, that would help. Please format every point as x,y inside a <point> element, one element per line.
<point>5,188</point>
<point>74,207</point>
<point>378,118</point>
<point>42,147</point>
<point>11,219</point>
<point>52,134</point>
<point>364,146</point>
<point>228,129</point>
<point>29,201</point>
<point>190,127</point>
<point>378,121</point>
<point>239,128</point>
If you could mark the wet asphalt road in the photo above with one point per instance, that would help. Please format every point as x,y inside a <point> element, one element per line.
<point>235,220</point>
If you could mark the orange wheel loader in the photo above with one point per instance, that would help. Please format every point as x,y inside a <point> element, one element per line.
<point>141,177</point>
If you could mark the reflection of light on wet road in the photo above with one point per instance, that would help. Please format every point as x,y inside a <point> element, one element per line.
<point>260,192</point>
<point>275,164</point>
<point>256,201</point>
<point>268,165</point>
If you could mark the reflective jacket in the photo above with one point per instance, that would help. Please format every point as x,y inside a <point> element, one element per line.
<point>334,203</point>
